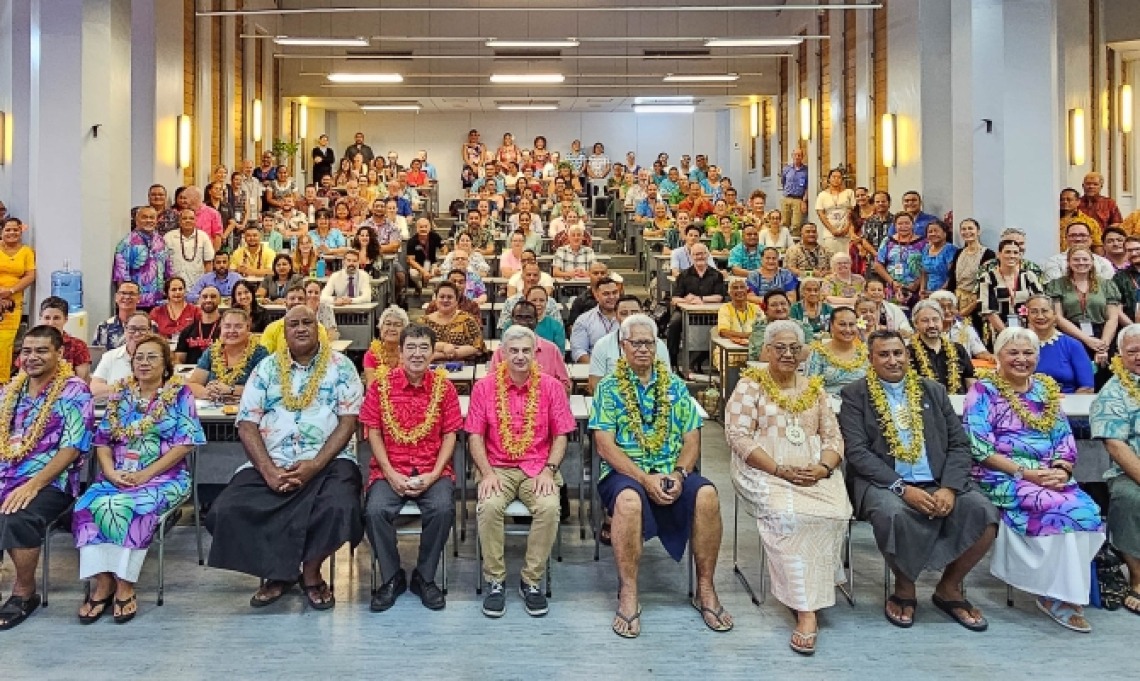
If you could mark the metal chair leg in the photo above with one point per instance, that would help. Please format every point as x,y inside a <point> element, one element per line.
<point>161,561</point>
<point>735,555</point>
<point>848,588</point>
<point>197,508</point>
<point>1008,596</point>
<point>46,568</point>
<point>478,564</point>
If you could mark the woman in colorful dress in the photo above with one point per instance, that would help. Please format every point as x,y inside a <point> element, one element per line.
<point>842,358</point>
<point>963,277</point>
<point>786,454</point>
<point>385,349</point>
<point>458,335</point>
<point>141,444</point>
<point>17,272</point>
<point>833,205</point>
<point>735,319</point>
<point>1003,290</point>
<point>937,255</point>
<point>842,286</point>
<point>1024,453</point>
<point>1061,357</point>
<point>811,309</point>
<point>225,367</point>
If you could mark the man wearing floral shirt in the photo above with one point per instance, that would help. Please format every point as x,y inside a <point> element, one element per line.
<point>142,257</point>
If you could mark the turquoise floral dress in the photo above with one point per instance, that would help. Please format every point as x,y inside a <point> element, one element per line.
<point>106,514</point>
<point>1026,508</point>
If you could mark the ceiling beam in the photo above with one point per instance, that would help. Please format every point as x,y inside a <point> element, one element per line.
<point>536,9</point>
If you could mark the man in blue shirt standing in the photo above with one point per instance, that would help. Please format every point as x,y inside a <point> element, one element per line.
<point>793,186</point>
<point>912,205</point>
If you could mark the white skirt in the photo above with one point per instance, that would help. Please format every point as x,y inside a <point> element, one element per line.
<point>124,563</point>
<point>1055,566</point>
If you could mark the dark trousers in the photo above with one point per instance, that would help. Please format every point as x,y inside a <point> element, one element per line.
<point>437,509</point>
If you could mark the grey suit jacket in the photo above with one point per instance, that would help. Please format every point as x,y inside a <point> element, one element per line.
<point>866,450</point>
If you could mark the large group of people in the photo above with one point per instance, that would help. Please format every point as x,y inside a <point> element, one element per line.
<point>886,312</point>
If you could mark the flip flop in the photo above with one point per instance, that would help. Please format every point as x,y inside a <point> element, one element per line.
<point>717,614</point>
<point>104,604</point>
<point>16,609</point>
<point>123,619</point>
<point>318,589</point>
<point>255,602</point>
<point>902,603</point>
<point>949,607</point>
<point>628,633</point>
<point>806,650</point>
<point>1063,614</point>
<point>1133,595</point>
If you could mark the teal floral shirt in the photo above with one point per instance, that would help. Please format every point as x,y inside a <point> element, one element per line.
<point>611,414</point>
<point>70,425</point>
<point>1116,416</point>
<point>292,436</point>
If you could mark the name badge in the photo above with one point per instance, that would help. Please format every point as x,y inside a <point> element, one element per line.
<point>1013,321</point>
<point>1087,328</point>
<point>132,460</point>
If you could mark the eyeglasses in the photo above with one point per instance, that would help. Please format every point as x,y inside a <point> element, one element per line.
<point>641,344</point>
<point>129,294</point>
<point>138,329</point>
<point>148,359</point>
<point>780,350</point>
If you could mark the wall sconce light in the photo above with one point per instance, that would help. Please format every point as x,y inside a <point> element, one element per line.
<point>1076,137</point>
<point>805,118</point>
<point>1126,108</point>
<point>255,124</point>
<point>889,137</point>
<point>3,138</point>
<point>303,121</point>
<point>185,141</point>
<point>754,119</point>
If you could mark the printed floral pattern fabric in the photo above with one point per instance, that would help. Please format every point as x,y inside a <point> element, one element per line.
<point>610,413</point>
<point>106,514</point>
<point>902,261</point>
<point>69,425</point>
<point>143,259</point>
<point>1026,508</point>
<point>1116,416</point>
<point>291,436</point>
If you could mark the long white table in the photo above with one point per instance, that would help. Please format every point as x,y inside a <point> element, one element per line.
<point>356,321</point>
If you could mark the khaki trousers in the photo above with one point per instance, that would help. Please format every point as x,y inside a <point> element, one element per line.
<point>792,212</point>
<point>543,529</point>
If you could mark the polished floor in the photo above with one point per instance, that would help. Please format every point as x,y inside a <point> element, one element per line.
<point>207,630</point>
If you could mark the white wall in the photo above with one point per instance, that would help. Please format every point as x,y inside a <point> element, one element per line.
<point>442,134</point>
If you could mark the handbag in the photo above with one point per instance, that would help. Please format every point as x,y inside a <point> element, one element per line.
<point>1109,585</point>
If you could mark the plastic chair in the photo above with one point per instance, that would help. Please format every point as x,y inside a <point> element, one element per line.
<point>516,509</point>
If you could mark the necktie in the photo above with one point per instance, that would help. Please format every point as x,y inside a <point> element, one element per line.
<point>351,286</point>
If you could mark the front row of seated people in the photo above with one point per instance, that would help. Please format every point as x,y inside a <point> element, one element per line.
<point>938,489</point>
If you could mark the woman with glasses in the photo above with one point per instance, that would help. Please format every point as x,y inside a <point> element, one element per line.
<point>115,365</point>
<point>385,349</point>
<point>141,445</point>
<point>786,455</point>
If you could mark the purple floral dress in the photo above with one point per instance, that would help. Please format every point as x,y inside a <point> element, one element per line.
<point>1026,508</point>
<point>106,514</point>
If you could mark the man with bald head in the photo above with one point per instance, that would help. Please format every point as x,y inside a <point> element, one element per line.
<point>298,499</point>
<point>208,219</point>
<point>141,257</point>
<point>700,283</point>
<point>1100,208</point>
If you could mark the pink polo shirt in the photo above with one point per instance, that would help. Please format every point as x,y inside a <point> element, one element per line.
<point>209,220</point>
<point>553,418</point>
<point>549,359</point>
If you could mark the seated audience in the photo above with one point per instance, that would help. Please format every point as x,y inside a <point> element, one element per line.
<point>115,364</point>
<point>349,285</point>
<point>744,258</point>
<point>253,258</point>
<point>735,318</point>
<point>841,286</point>
<point>809,257</point>
<point>607,351</point>
<point>384,352</point>
<point>811,308</point>
<point>648,481</point>
<point>171,317</point>
<point>770,277</point>
<point>458,335</point>
<point>910,467</point>
<point>775,306</point>
<point>573,260</point>
<point>592,325</point>
<point>841,359</point>
<point>1024,454</point>
<point>273,338</point>
<point>1077,235</point>
<point>934,355</point>
<point>195,338</point>
<point>1059,356</point>
<point>786,455</point>
<point>112,333</point>
<point>1087,307</point>
<point>224,369</point>
<point>54,312</point>
<point>546,354</point>
<point>958,329</point>
<point>274,286</point>
<point>1004,289</point>
<point>221,279</point>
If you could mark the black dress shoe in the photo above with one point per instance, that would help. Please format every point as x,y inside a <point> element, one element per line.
<point>385,597</point>
<point>430,595</point>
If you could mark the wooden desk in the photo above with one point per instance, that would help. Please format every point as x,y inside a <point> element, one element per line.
<point>730,358</point>
<point>697,319</point>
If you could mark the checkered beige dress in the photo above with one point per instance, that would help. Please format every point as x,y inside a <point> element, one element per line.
<point>802,527</point>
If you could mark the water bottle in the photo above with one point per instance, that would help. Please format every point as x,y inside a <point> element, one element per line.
<point>68,284</point>
<point>321,268</point>
<point>312,214</point>
<point>293,244</point>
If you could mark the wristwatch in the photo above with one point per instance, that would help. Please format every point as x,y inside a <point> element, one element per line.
<point>830,470</point>
<point>681,469</point>
<point>551,467</point>
<point>898,487</point>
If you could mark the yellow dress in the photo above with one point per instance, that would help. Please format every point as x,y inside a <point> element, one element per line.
<point>12,269</point>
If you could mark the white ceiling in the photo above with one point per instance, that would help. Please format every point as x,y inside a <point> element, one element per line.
<point>445,64</point>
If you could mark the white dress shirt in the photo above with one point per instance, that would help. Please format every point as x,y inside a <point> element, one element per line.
<point>337,287</point>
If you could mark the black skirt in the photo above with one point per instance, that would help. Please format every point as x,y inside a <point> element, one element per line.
<point>26,529</point>
<point>269,535</point>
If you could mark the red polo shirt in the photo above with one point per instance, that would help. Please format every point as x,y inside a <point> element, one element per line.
<point>409,404</point>
<point>1102,209</point>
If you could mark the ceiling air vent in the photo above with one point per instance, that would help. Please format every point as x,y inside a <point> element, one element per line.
<point>676,54</point>
<point>528,55</point>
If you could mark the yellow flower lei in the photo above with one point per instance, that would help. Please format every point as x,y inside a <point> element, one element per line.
<point>285,374</point>
<point>859,360</point>
<point>410,436</point>
<point>913,387</point>
<point>655,441</point>
<point>1042,422</point>
<point>376,347</point>
<point>222,373</point>
<point>792,405</point>
<point>953,370</point>
<point>1125,379</point>
<point>127,389</point>
<point>516,446</point>
<point>35,433</point>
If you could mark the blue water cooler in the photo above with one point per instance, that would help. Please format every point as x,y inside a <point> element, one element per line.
<point>68,284</point>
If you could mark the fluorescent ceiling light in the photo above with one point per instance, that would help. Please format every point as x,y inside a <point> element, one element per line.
<point>527,107</point>
<point>665,108</point>
<point>518,78</point>
<point>700,78</point>
<point>753,42</point>
<point>410,106</point>
<point>685,99</point>
<point>321,42</point>
<point>568,42</point>
<point>365,78</point>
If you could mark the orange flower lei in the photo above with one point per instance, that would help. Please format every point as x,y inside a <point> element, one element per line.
<point>516,446</point>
